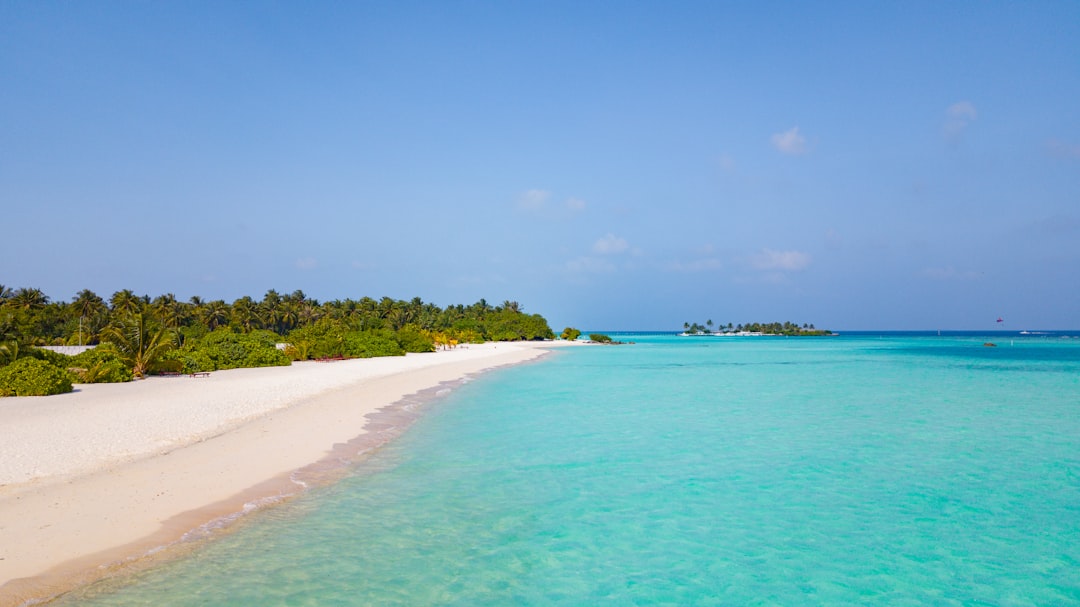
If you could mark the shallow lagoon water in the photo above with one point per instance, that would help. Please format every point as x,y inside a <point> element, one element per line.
<point>895,470</point>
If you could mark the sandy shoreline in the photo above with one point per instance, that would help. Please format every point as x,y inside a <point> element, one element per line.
<point>97,478</point>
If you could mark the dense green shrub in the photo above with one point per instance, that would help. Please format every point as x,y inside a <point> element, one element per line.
<point>470,327</point>
<point>507,325</point>
<point>99,365</point>
<point>600,338</point>
<point>33,377</point>
<point>324,339</point>
<point>191,361</point>
<point>368,344</point>
<point>266,357</point>
<point>570,334</point>
<point>223,349</point>
<point>412,339</point>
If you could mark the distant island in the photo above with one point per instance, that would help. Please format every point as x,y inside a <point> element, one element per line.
<point>754,328</point>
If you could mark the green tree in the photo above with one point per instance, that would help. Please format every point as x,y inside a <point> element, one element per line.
<point>139,342</point>
<point>28,299</point>
<point>245,314</point>
<point>125,303</point>
<point>215,314</point>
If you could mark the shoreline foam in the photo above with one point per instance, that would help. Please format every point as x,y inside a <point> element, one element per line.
<point>88,513</point>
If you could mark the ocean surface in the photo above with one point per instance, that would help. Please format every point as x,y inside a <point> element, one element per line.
<point>861,469</point>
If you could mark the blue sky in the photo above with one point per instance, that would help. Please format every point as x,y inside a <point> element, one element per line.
<point>617,165</point>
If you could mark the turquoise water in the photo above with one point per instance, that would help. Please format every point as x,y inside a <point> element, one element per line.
<point>854,470</point>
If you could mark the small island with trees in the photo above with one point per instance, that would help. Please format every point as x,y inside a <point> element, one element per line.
<point>787,329</point>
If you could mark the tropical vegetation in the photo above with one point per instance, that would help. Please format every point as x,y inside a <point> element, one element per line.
<point>136,335</point>
<point>771,328</point>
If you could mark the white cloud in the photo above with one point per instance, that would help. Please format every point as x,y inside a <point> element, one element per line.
<point>958,116</point>
<point>533,200</point>
<point>575,204</point>
<point>790,142</point>
<point>592,265</point>
<point>306,263</point>
<point>963,110</point>
<point>788,261</point>
<point>610,244</point>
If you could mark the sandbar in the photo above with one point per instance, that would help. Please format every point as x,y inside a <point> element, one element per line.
<point>94,481</point>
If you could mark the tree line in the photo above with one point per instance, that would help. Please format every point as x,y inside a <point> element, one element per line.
<point>769,328</point>
<point>143,335</point>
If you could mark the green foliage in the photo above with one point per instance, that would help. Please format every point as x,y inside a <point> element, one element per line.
<point>600,338</point>
<point>412,339</point>
<point>140,342</point>
<point>470,327</point>
<point>508,325</point>
<point>266,357</point>
<point>33,377</point>
<point>323,339</point>
<point>367,344</point>
<point>100,365</point>
<point>223,349</point>
<point>570,334</point>
<point>189,360</point>
<point>192,333</point>
<point>151,334</point>
<point>769,328</point>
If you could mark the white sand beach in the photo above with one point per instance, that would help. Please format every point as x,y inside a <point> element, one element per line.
<point>94,480</point>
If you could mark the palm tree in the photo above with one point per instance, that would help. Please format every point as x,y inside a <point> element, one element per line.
<point>5,293</point>
<point>215,314</point>
<point>287,317</point>
<point>9,342</point>
<point>125,303</point>
<point>92,313</point>
<point>309,313</point>
<point>482,308</point>
<point>169,310</point>
<point>88,304</point>
<point>245,313</point>
<point>385,307</point>
<point>139,342</point>
<point>709,323</point>
<point>28,299</point>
